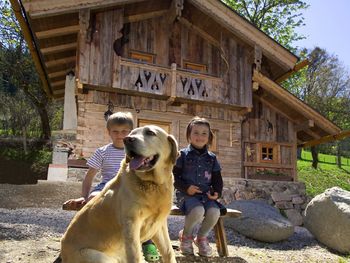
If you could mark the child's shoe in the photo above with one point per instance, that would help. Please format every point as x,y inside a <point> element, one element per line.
<point>186,244</point>
<point>150,252</point>
<point>204,248</point>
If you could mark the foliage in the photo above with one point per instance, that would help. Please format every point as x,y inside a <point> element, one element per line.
<point>277,18</point>
<point>322,178</point>
<point>23,102</point>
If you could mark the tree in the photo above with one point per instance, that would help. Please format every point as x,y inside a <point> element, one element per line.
<point>17,69</point>
<point>277,18</point>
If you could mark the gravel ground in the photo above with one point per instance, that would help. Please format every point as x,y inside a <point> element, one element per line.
<point>32,222</point>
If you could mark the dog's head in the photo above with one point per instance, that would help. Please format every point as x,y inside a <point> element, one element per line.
<point>149,146</point>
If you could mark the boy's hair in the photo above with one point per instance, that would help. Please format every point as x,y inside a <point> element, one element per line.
<point>199,121</point>
<point>120,118</point>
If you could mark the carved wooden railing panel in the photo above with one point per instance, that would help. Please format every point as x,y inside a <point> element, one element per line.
<point>144,78</point>
<point>198,87</point>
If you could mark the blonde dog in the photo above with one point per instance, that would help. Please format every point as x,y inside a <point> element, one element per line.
<point>132,208</point>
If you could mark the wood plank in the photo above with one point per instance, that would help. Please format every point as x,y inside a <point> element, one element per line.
<point>56,32</point>
<point>84,42</point>
<point>268,165</point>
<point>58,83</point>
<point>304,125</point>
<point>57,74</point>
<point>42,8</point>
<point>57,62</point>
<point>60,48</point>
<point>144,16</point>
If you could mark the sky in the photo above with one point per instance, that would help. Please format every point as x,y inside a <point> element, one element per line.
<point>328,26</point>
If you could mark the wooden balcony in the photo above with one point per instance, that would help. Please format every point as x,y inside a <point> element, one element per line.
<point>175,85</point>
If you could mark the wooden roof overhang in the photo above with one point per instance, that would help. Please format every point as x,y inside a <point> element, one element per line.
<point>52,28</point>
<point>310,125</point>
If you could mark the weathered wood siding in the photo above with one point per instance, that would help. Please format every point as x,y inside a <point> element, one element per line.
<point>230,64</point>
<point>91,131</point>
<point>265,126</point>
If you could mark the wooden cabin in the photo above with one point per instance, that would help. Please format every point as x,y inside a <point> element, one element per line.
<point>167,61</point>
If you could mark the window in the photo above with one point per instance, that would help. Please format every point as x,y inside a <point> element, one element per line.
<point>141,56</point>
<point>195,67</point>
<point>164,125</point>
<point>268,153</point>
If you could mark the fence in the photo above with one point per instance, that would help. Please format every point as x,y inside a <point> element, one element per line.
<point>324,158</point>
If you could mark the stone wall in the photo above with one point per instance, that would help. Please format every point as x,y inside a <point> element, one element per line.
<point>289,197</point>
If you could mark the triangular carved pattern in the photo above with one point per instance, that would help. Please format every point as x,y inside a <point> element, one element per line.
<point>151,81</point>
<point>193,88</point>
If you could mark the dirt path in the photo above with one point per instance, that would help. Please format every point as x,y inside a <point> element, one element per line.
<point>32,222</point>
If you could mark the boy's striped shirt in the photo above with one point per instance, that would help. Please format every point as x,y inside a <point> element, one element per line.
<point>107,159</point>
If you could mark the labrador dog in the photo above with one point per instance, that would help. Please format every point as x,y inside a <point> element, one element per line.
<point>132,208</point>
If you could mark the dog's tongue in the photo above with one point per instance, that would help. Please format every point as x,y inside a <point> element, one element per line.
<point>136,162</point>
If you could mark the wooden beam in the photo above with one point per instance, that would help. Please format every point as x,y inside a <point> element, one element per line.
<point>304,125</point>
<point>200,31</point>
<point>296,68</point>
<point>42,8</point>
<point>27,34</point>
<point>326,139</point>
<point>248,32</point>
<point>58,92</point>
<point>279,111</point>
<point>144,16</point>
<point>175,10</point>
<point>61,61</point>
<point>57,74</point>
<point>312,134</point>
<point>61,31</point>
<point>60,48</point>
<point>58,83</point>
<point>295,103</point>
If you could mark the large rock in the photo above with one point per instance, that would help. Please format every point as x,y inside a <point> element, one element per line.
<point>259,221</point>
<point>327,217</point>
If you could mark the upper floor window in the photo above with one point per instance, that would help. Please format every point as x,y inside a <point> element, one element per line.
<point>142,56</point>
<point>195,67</point>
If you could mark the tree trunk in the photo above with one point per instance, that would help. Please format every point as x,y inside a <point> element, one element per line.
<point>314,153</point>
<point>44,117</point>
<point>24,138</point>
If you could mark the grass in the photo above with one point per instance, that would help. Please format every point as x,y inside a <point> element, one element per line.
<point>325,176</point>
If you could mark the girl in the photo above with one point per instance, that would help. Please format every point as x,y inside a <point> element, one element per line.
<point>198,185</point>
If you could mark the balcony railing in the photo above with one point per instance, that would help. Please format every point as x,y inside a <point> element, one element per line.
<point>170,82</point>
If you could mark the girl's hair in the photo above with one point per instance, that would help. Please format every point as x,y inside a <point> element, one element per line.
<point>120,118</point>
<point>199,121</point>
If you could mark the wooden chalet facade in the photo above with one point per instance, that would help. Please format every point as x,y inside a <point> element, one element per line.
<point>167,61</point>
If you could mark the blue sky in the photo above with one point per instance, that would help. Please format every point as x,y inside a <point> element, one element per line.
<point>328,26</point>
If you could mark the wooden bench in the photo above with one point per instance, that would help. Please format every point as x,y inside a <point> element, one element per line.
<point>219,229</point>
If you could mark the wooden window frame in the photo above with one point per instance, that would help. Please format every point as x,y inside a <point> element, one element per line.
<point>143,122</point>
<point>142,56</point>
<point>201,68</point>
<point>273,153</point>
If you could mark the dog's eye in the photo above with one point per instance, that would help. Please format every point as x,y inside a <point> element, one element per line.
<point>150,133</point>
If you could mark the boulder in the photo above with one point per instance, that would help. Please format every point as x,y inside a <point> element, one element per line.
<point>259,221</point>
<point>327,217</point>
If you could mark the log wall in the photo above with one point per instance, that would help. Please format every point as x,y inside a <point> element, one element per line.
<point>91,131</point>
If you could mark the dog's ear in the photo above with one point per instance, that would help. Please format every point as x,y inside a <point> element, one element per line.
<point>174,148</point>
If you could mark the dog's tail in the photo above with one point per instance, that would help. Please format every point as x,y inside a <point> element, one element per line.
<point>58,259</point>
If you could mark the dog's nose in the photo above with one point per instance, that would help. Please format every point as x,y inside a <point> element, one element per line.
<point>128,139</point>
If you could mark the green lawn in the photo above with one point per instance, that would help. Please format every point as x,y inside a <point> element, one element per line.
<point>325,176</point>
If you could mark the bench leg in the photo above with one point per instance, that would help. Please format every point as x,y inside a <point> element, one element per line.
<point>220,238</point>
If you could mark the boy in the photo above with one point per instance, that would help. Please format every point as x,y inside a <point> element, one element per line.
<point>107,159</point>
